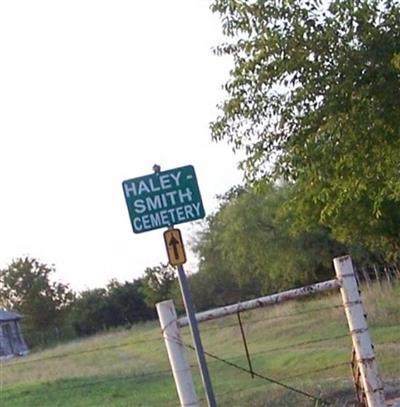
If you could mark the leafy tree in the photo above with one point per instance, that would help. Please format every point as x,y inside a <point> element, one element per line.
<point>118,304</point>
<point>159,283</point>
<point>90,313</point>
<point>215,283</point>
<point>314,98</point>
<point>26,287</point>
<point>246,249</point>
<point>128,302</point>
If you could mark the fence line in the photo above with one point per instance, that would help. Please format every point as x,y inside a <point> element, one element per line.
<point>267,378</point>
<point>262,352</point>
<point>259,375</point>
<point>322,369</point>
<point>104,381</point>
<point>214,357</point>
<point>168,372</point>
<point>263,301</point>
<point>309,342</point>
<point>291,315</point>
<point>356,320</point>
<point>13,363</point>
<point>389,273</point>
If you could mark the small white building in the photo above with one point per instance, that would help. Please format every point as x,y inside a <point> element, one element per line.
<point>11,340</point>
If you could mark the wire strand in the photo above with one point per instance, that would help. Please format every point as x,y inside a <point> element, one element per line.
<point>330,367</point>
<point>64,355</point>
<point>256,374</point>
<point>211,328</point>
<point>105,380</point>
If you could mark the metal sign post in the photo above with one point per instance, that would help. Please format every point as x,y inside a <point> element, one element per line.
<point>187,299</point>
<point>164,199</point>
<point>177,257</point>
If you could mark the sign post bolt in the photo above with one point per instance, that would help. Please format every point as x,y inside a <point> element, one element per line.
<point>156,168</point>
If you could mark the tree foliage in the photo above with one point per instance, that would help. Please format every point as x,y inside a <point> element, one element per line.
<point>246,249</point>
<point>26,287</point>
<point>124,304</point>
<point>118,304</point>
<point>159,283</point>
<point>314,98</point>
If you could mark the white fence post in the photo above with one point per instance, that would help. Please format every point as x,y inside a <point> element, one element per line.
<point>357,322</point>
<point>176,354</point>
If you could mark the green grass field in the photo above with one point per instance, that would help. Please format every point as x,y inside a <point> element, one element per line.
<point>303,344</point>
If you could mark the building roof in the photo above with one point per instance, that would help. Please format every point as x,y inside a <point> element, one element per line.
<point>8,315</point>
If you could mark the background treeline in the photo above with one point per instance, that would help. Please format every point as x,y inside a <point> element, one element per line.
<point>52,312</point>
<point>245,249</point>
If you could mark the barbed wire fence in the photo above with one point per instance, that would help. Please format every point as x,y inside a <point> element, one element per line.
<point>238,362</point>
<point>346,394</point>
<point>380,274</point>
<point>230,361</point>
<point>257,378</point>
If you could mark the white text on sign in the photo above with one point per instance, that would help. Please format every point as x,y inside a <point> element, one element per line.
<point>163,199</point>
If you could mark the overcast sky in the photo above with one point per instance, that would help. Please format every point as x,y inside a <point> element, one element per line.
<point>94,92</point>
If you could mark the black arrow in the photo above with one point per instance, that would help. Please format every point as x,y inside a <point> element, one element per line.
<point>174,243</point>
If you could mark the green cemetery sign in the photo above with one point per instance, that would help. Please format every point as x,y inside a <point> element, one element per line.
<point>163,199</point>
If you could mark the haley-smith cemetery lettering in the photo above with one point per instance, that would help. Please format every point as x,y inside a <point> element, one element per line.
<point>163,199</point>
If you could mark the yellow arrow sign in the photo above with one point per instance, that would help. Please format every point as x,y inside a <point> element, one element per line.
<point>175,248</point>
